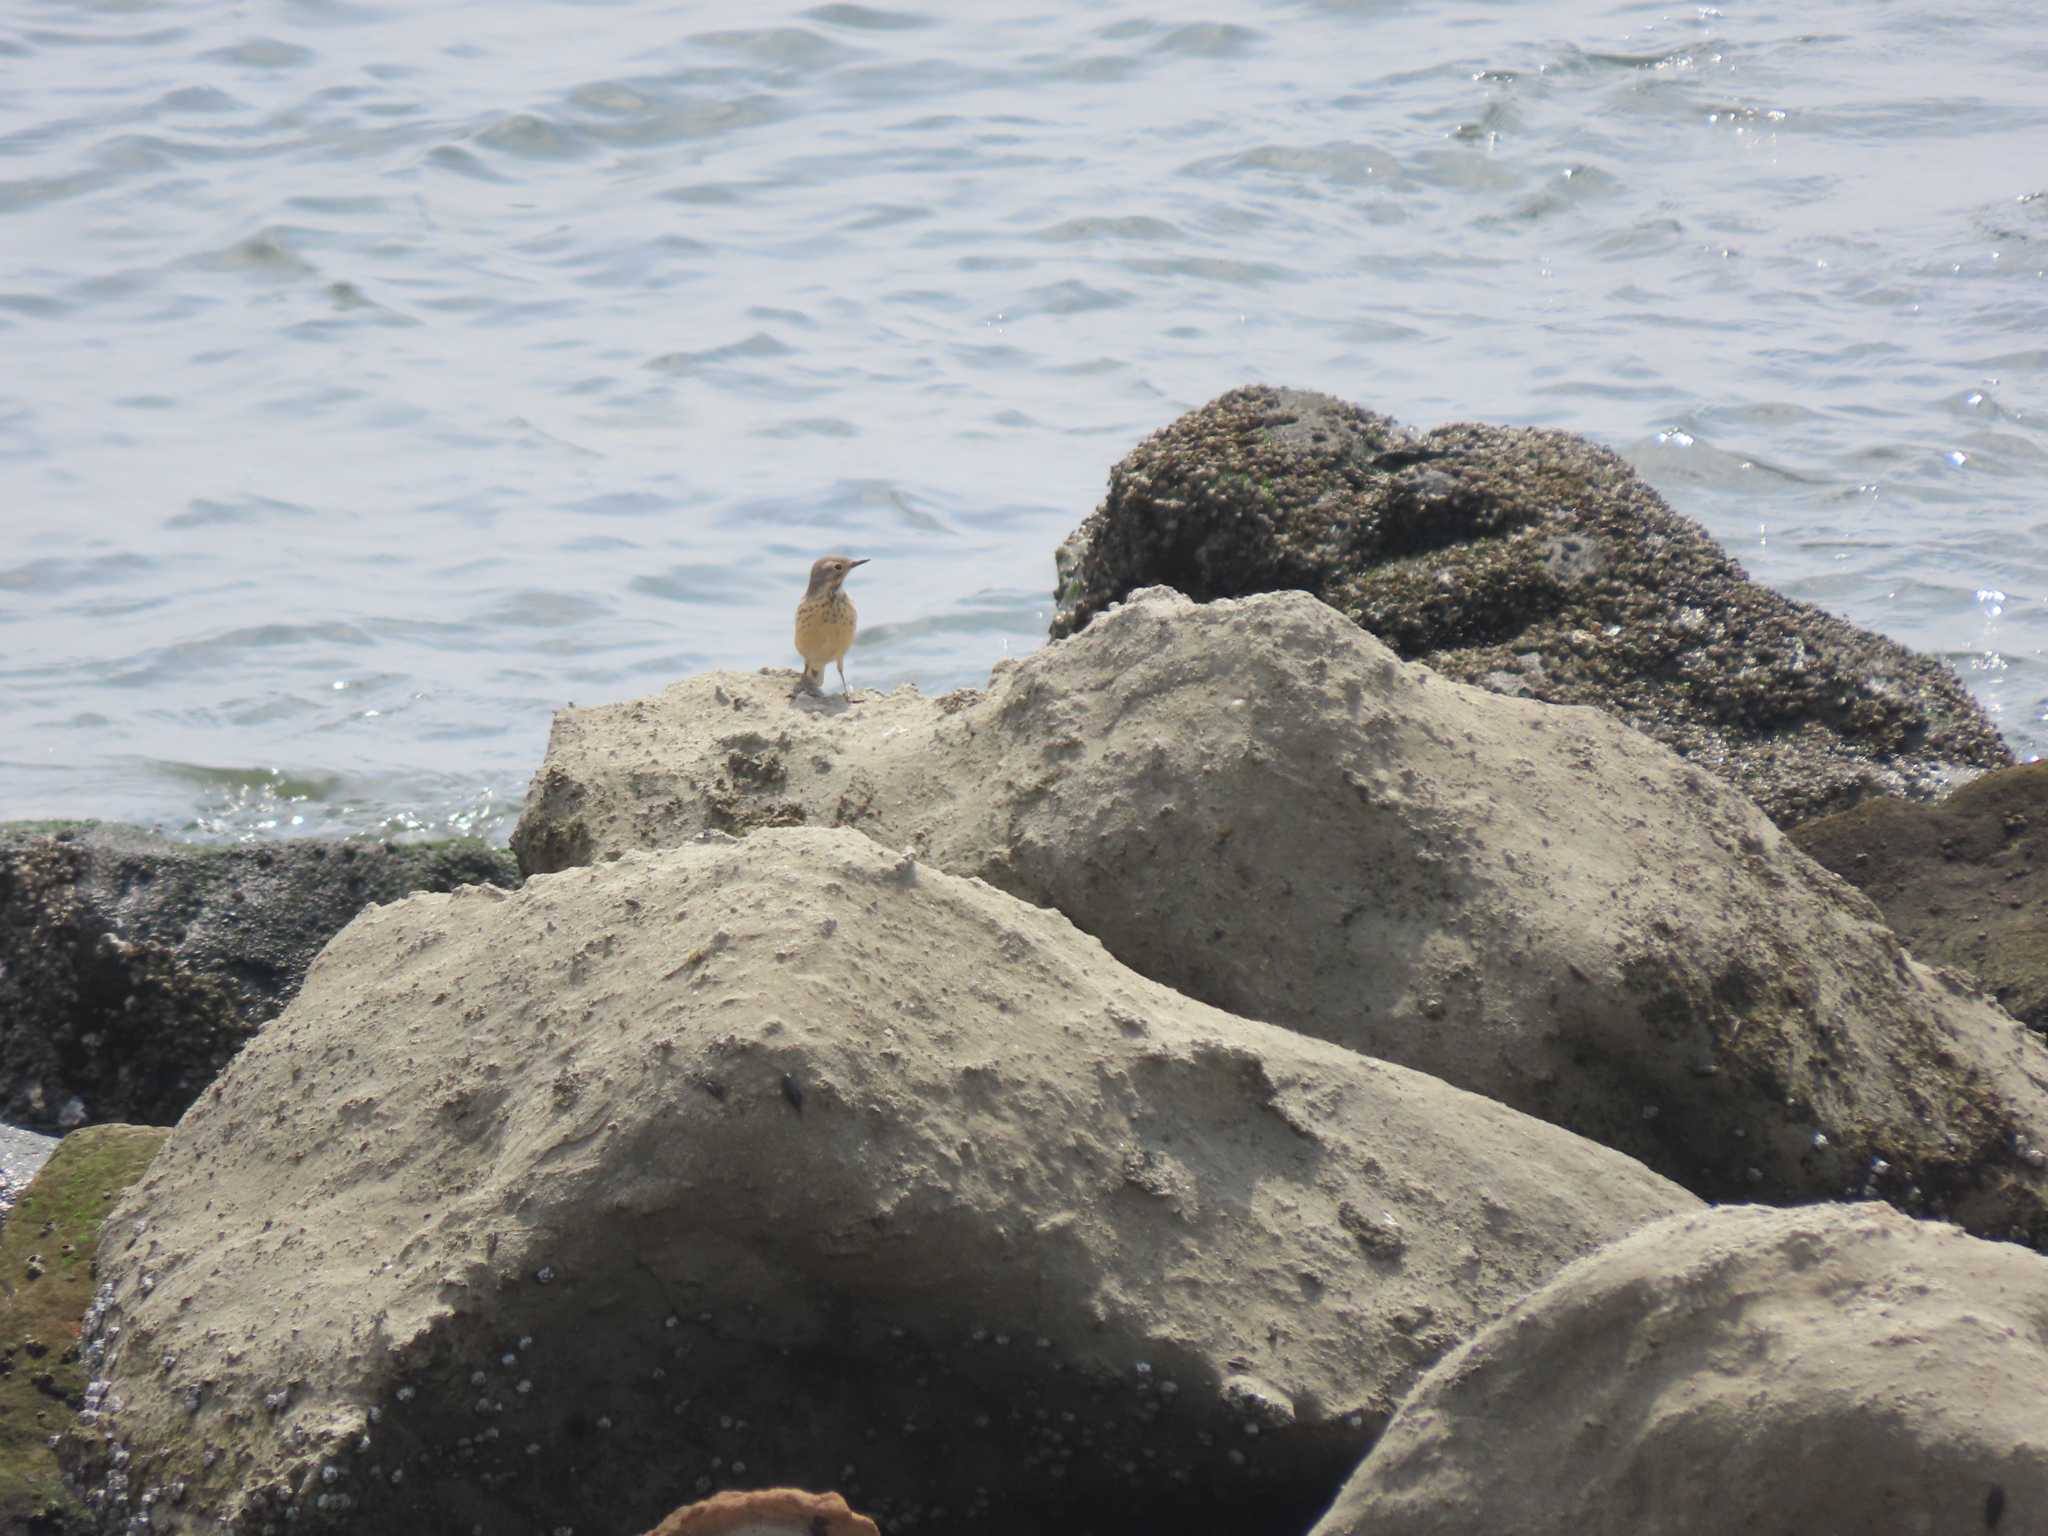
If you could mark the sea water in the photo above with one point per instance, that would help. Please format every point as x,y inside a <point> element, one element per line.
<point>376,378</point>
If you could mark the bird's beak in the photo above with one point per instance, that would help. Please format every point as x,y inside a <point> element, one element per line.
<point>852,563</point>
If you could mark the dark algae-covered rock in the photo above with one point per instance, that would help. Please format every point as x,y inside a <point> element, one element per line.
<point>1963,882</point>
<point>46,1253</point>
<point>1534,563</point>
<point>133,967</point>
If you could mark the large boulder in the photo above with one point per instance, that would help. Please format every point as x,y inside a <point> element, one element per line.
<point>46,1283</point>
<point>791,1160</point>
<point>1964,881</point>
<point>1259,804</point>
<point>132,967</point>
<point>1823,1369</point>
<point>1535,563</point>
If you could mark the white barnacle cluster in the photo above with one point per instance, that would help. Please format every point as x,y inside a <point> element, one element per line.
<point>94,1400</point>
<point>96,1333</point>
<point>112,1493</point>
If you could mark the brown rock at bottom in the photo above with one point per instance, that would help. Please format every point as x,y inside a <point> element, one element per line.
<point>767,1512</point>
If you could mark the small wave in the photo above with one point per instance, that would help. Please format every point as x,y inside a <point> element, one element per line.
<point>533,137</point>
<point>756,347</point>
<point>1338,162</point>
<point>262,53</point>
<point>867,18</point>
<point>1210,40</point>
<point>1109,227</point>
<point>792,48</point>
<point>60,574</point>
<point>204,512</point>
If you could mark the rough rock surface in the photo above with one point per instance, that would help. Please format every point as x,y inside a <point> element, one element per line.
<point>1821,1369</point>
<point>132,967</point>
<point>1965,882</point>
<point>788,1160</point>
<point>1535,563</point>
<point>46,1284</point>
<point>767,1512</point>
<point>1255,802</point>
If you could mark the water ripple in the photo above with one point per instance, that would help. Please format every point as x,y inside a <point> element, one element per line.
<point>480,359</point>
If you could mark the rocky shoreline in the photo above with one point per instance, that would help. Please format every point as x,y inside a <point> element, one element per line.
<point>1284,1062</point>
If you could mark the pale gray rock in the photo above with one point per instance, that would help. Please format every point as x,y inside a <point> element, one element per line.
<point>1258,804</point>
<point>794,1160</point>
<point>1822,1369</point>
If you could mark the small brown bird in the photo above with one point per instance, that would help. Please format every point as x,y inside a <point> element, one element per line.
<point>825,623</point>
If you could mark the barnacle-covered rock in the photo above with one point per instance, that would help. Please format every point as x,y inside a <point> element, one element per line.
<point>1821,1369</point>
<point>793,1160</point>
<point>1257,803</point>
<point>133,967</point>
<point>1532,562</point>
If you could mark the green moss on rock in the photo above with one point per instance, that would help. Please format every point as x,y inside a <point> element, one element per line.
<point>46,1283</point>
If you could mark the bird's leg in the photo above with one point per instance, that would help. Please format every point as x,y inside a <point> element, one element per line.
<point>845,691</point>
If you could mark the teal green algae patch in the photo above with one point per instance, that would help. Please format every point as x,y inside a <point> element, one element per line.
<point>46,1284</point>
